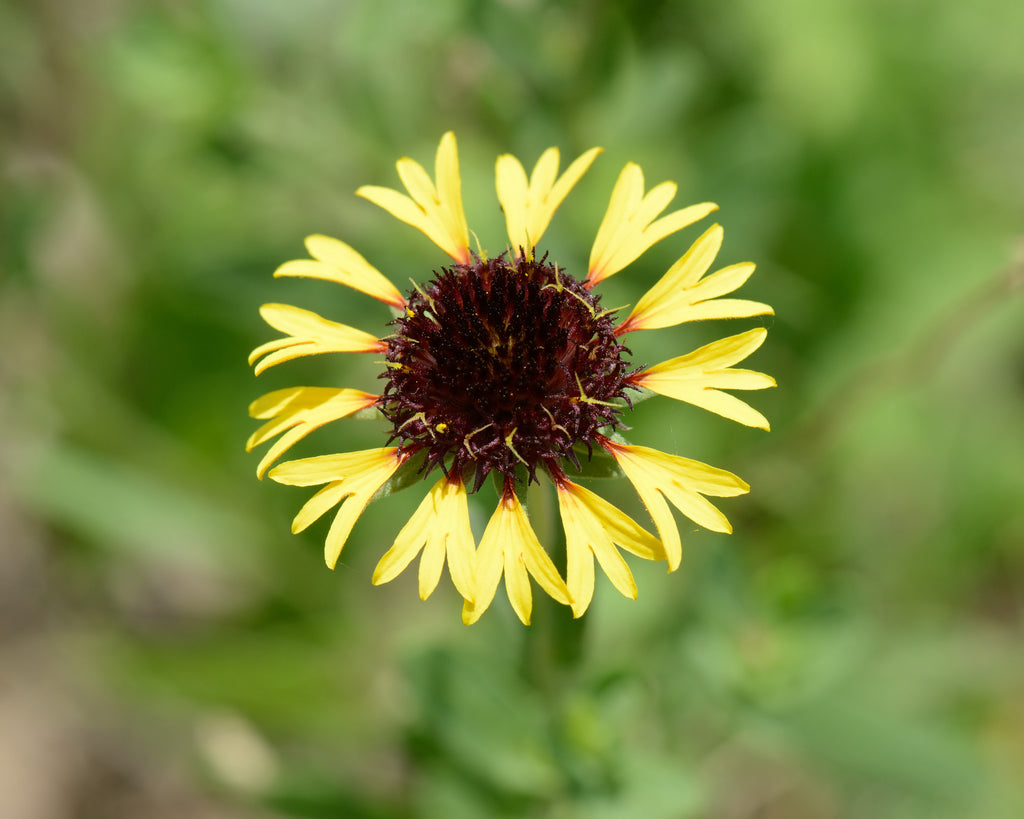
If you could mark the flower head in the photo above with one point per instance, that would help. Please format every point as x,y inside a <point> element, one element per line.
<point>509,367</point>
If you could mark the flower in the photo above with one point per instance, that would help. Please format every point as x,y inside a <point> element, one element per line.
<point>508,367</point>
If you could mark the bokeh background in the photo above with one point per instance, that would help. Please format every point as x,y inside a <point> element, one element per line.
<point>168,649</point>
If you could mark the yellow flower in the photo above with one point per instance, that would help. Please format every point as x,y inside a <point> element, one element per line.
<point>509,367</point>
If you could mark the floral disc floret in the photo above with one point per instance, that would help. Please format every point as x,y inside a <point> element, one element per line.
<point>503,364</point>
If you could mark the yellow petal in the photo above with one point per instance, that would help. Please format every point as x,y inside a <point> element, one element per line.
<point>408,543</point>
<point>514,197</point>
<point>274,403</point>
<point>593,528</point>
<point>658,508</point>
<point>460,548</point>
<point>435,211</point>
<point>683,482</point>
<point>529,206</point>
<point>579,557</point>
<point>621,529</point>
<point>417,181</point>
<point>337,262</point>
<point>327,468</point>
<point>517,585</point>
<point>344,521</point>
<point>440,527</point>
<point>699,377</point>
<point>308,334</point>
<point>487,569</point>
<point>509,544</point>
<point>684,293</point>
<point>319,505</point>
<point>431,564</point>
<point>296,412</point>
<point>629,227</point>
<point>579,564</point>
<point>449,187</point>
<point>353,478</point>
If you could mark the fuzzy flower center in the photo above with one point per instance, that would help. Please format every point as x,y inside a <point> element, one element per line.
<point>502,365</point>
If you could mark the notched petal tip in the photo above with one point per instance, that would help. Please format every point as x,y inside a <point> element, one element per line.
<point>439,531</point>
<point>306,333</point>
<point>631,224</point>
<point>661,478</point>
<point>432,207</point>
<point>296,412</point>
<point>510,547</point>
<point>687,293</point>
<point>702,377</point>
<point>529,204</point>
<point>335,261</point>
<point>595,530</point>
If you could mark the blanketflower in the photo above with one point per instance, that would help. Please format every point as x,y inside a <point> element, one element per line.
<point>509,367</point>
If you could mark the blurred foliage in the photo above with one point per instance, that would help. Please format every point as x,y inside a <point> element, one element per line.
<point>853,650</point>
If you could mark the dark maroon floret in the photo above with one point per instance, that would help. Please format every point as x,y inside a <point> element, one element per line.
<point>502,365</point>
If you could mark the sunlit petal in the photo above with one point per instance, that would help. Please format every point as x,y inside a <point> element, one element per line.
<point>436,211</point>
<point>699,377</point>
<point>352,479</point>
<point>529,206</point>
<point>629,227</point>
<point>683,482</point>
<point>336,261</point>
<point>510,545</point>
<point>684,293</point>
<point>307,334</point>
<point>593,528</point>
<point>440,528</point>
<point>296,412</point>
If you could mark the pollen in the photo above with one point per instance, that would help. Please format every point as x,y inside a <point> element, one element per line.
<point>503,349</point>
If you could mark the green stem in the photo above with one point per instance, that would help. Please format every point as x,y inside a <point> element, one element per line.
<point>553,644</point>
<point>553,650</point>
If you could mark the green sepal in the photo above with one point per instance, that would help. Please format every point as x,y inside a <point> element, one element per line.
<point>638,395</point>
<point>368,414</point>
<point>616,438</point>
<point>598,465</point>
<point>405,476</point>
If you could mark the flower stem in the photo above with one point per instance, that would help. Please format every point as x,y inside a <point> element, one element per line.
<point>553,644</point>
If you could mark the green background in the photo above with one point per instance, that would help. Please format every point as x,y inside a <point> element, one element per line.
<point>168,649</point>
